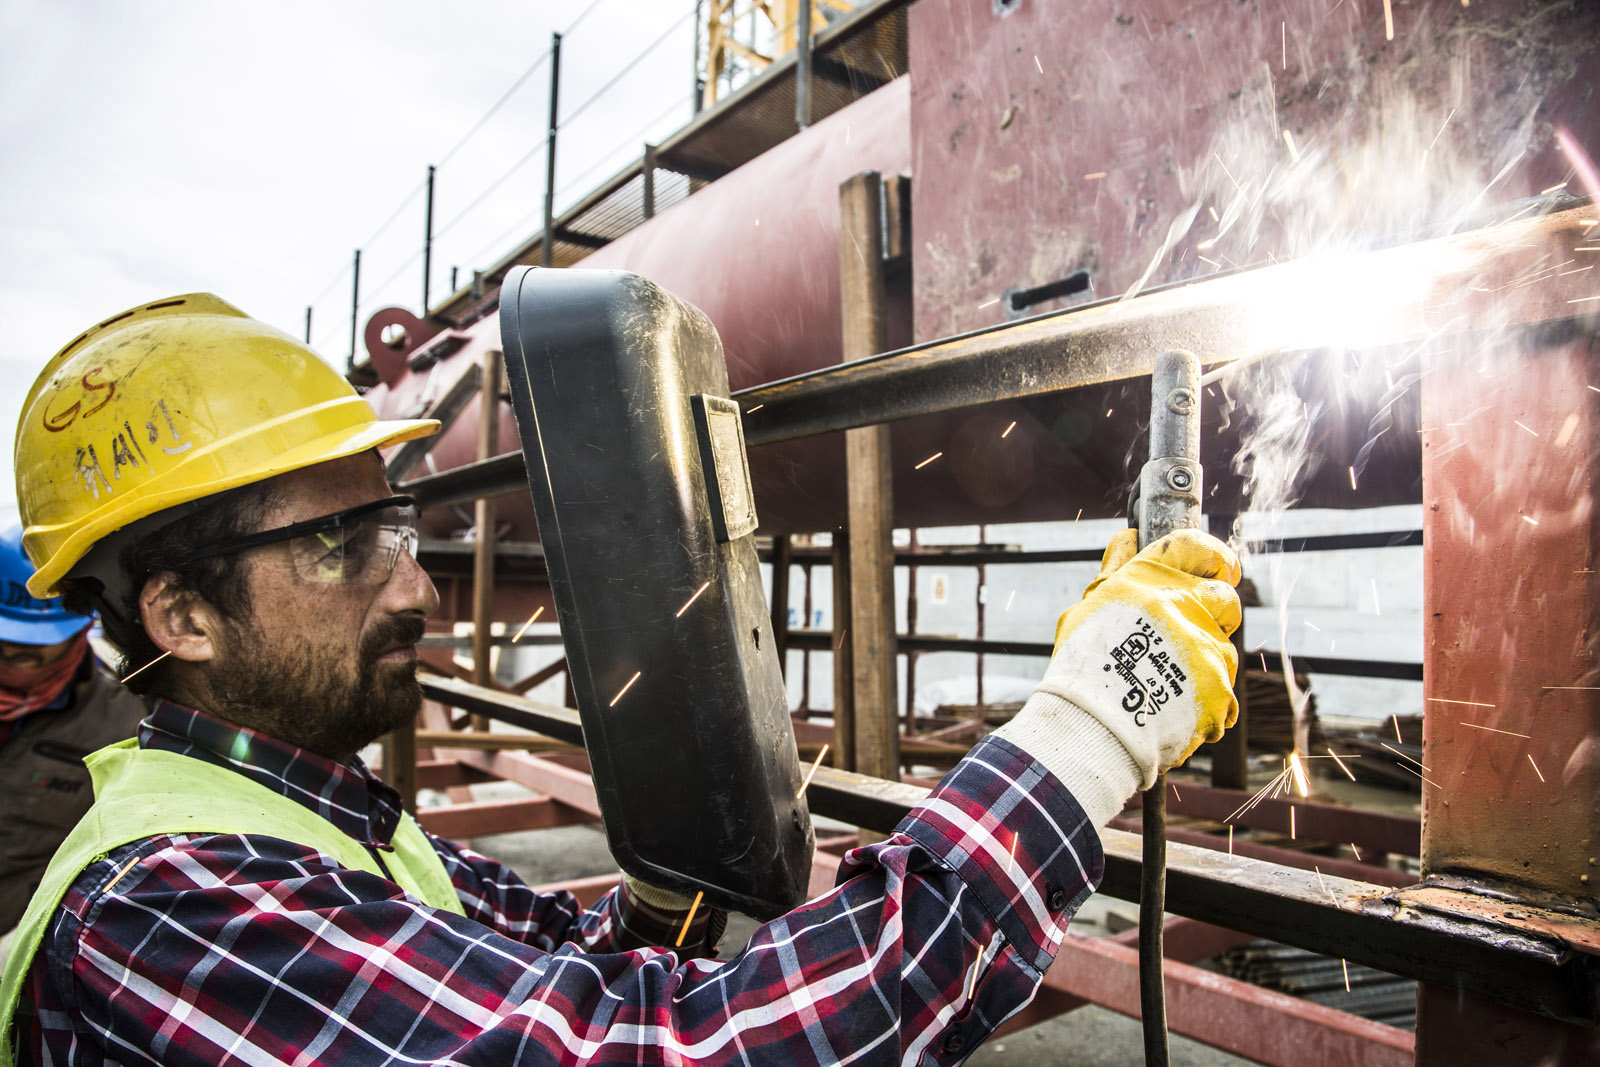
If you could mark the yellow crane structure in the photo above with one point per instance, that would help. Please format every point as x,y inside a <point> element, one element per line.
<point>743,38</point>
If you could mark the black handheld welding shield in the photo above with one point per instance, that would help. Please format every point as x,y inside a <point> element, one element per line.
<point>637,468</point>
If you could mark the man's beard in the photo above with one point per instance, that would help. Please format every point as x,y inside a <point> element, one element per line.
<point>297,692</point>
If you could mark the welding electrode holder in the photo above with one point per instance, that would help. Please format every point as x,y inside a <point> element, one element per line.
<point>637,469</point>
<point>1165,498</point>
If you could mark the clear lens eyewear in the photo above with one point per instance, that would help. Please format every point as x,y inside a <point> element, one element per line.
<point>355,547</point>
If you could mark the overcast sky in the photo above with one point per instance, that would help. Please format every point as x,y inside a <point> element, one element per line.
<point>166,146</point>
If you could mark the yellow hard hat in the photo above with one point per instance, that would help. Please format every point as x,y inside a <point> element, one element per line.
<point>169,403</point>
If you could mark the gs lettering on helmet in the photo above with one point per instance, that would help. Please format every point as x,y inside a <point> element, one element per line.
<point>129,448</point>
<point>57,420</point>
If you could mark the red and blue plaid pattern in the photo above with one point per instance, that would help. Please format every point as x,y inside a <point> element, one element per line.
<point>217,949</point>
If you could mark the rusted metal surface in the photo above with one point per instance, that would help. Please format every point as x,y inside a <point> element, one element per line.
<point>871,633</point>
<point>1512,789</point>
<point>1513,760</point>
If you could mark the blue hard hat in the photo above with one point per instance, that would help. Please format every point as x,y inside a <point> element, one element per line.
<point>23,619</point>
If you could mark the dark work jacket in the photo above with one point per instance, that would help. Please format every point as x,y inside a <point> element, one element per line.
<point>44,786</point>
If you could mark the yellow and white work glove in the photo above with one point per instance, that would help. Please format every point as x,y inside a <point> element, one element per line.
<point>1142,670</point>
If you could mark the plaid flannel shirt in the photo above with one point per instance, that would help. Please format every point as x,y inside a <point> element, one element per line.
<point>219,949</point>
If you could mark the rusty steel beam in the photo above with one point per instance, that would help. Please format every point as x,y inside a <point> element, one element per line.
<point>477,817</point>
<point>1375,830</point>
<point>1406,293</point>
<point>871,632</point>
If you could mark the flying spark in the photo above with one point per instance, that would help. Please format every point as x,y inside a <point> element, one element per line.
<point>1492,730</point>
<point>1352,478</point>
<point>691,600</point>
<point>1283,34</point>
<point>1175,795</point>
<point>147,666</point>
<point>1288,139</point>
<point>1424,777</point>
<point>624,689</point>
<point>1469,703</point>
<point>1108,412</point>
<point>1440,134</point>
<point>1346,963</point>
<point>1291,822</point>
<point>1013,857</point>
<point>1313,625</point>
<point>1341,764</point>
<point>927,461</point>
<point>1388,20</point>
<point>1322,881</point>
<point>1214,216</point>
<point>805,784</point>
<point>1377,609</point>
<point>842,632</point>
<point>531,618</point>
<point>1209,260</point>
<point>1078,516</point>
<point>1583,299</point>
<point>753,410</point>
<point>1405,757</point>
<point>1036,63</point>
<point>1530,520</point>
<point>690,917</point>
<point>1536,769</point>
<point>1007,431</point>
<point>972,982</point>
<point>1569,687</point>
<point>1397,737</point>
<point>1230,840</point>
<point>1357,851</point>
<point>1096,176</point>
<point>1010,598</point>
<point>1535,433</point>
<point>989,303</point>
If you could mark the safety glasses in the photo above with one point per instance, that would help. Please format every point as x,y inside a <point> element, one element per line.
<point>354,547</point>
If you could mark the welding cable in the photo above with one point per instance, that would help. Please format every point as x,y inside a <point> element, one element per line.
<point>1152,916</point>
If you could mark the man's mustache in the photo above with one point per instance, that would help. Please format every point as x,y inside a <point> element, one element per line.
<point>392,633</point>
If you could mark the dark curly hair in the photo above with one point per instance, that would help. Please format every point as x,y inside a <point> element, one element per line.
<point>171,549</point>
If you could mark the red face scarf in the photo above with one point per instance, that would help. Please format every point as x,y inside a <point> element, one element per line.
<point>25,689</point>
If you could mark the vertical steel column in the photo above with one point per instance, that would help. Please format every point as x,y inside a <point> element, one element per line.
<point>911,630</point>
<point>1510,622</point>
<point>648,172</point>
<point>869,482</point>
<point>844,672</point>
<point>427,245</point>
<point>308,324</point>
<point>802,66</point>
<point>779,604</point>
<point>699,82</point>
<point>547,242</point>
<point>355,307</point>
<point>981,599</point>
<point>805,655</point>
<point>1230,757</point>
<point>484,521</point>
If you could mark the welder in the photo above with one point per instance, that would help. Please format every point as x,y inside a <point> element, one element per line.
<point>246,890</point>
<point>58,703</point>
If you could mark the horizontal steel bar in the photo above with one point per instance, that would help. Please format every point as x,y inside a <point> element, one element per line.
<point>1435,934</point>
<point>823,641</point>
<point>1244,315</point>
